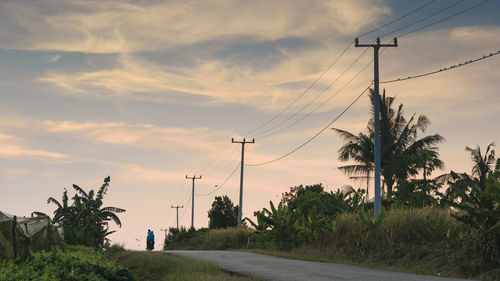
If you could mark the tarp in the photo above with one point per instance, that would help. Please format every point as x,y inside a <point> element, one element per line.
<point>21,236</point>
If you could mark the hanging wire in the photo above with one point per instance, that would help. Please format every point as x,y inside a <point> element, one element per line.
<point>266,132</point>
<point>442,69</point>
<point>423,19</point>
<point>398,19</point>
<point>315,135</point>
<point>222,184</point>
<point>446,18</point>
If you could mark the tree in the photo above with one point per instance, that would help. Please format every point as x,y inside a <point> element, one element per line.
<point>223,213</point>
<point>477,203</point>
<point>360,149</point>
<point>482,163</point>
<point>400,147</point>
<point>85,222</point>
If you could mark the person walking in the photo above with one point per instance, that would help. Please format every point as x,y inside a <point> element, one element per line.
<point>150,241</point>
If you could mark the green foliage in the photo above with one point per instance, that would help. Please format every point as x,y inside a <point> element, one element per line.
<point>223,213</point>
<point>302,215</point>
<point>78,263</point>
<point>478,205</point>
<point>416,194</point>
<point>85,221</point>
<point>176,235</point>
<point>206,239</point>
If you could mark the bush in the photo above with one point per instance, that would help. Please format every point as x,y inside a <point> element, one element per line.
<point>206,239</point>
<point>78,263</point>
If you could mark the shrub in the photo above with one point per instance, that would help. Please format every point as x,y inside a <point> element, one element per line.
<point>78,263</point>
<point>206,239</point>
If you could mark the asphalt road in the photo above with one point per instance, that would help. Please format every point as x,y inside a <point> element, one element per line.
<point>280,269</point>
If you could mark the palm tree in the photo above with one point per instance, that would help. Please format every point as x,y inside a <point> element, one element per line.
<point>427,161</point>
<point>360,149</point>
<point>400,146</point>
<point>482,163</point>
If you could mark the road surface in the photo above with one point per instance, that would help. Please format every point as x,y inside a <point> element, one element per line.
<point>280,269</point>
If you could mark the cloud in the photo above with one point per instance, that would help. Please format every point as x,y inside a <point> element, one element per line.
<point>12,147</point>
<point>218,80</point>
<point>55,58</point>
<point>124,27</point>
<point>16,172</point>
<point>140,135</point>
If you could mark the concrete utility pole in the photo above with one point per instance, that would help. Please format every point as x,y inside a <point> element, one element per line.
<point>192,198</point>
<point>240,207</point>
<point>376,118</point>
<point>177,211</point>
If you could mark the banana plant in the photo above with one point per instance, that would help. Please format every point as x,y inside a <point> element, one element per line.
<point>478,205</point>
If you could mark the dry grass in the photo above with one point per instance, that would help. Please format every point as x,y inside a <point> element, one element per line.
<point>156,266</point>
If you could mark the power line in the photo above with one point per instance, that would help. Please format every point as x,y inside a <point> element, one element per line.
<point>442,69</point>
<point>444,19</point>
<point>266,132</point>
<point>222,184</point>
<point>398,19</point>
<point>303,92</point>
<point>323,103</point>
<point>225,163</point>
<point>215,158</point>
<point>316,135</point>
<point>187,205</point>
<point>422,19</point>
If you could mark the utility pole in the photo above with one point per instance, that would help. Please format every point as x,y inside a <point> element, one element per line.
<point>192,198</point>
<point>177,211</point>
<point>240,207</point>
<point>376,118</point>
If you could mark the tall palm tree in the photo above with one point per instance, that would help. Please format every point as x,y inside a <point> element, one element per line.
<point>399,143</point>
<point>482,163</point>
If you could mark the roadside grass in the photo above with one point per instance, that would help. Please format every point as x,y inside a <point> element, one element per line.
<point>156,266</point>
<point>421,240</point>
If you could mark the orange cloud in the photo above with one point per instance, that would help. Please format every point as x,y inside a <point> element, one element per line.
<point>12,147</point>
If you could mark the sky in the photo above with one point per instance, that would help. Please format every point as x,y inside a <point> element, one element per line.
<point>148,92</point>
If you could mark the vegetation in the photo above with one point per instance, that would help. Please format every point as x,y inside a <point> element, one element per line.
<point>477,201</point>
<point>206,239</point>
<point>223,213</point>
<point>152,266</point>
<point>85,221</point>
<point>301,215</point>
<point>402,153</point>
<point>78,263</point>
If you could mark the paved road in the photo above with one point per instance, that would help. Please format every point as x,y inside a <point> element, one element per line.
<point>279,269</point>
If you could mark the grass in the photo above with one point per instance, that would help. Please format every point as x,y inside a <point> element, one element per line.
<point>156,266</point>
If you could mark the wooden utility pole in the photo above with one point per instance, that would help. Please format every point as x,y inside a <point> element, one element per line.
<point>177,211</point>
<point>240,207</point>
<point>192,198</point>
<point>376,118</point>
